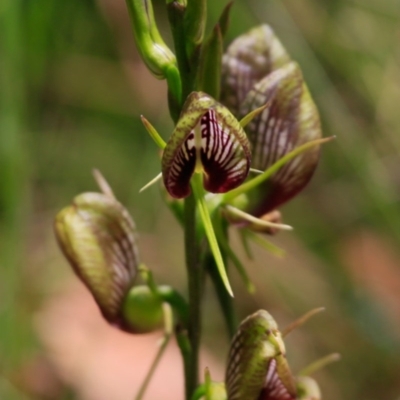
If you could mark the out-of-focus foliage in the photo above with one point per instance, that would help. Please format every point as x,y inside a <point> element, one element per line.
<point>72,90</point>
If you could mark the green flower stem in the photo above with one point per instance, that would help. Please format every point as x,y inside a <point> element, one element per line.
<point>182,338</point>
<point>168,328</point>
<point>195,278</point>
<point>176,19</point>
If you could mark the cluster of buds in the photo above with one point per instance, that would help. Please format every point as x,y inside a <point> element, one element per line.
<point>257,367</point>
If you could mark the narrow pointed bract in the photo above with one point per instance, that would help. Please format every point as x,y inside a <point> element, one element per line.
<point>257,367</point>
<point>290,121</point>
<point>207,139</point>
<point>248,59</point>
<point>97,236</point>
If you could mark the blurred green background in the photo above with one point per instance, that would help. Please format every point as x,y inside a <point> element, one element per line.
<point>72,88</point>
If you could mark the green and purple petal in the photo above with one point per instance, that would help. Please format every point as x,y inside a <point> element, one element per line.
<point>207,139</point>
<point>291,120</point>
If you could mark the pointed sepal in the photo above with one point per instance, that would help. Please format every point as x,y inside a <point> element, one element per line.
<point>207,139</point>
<point>98,237</point>
<point>257,367</point>
<point>209,72</point>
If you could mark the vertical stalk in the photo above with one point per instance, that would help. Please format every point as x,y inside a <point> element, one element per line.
<point>194,268</point>
<point>195,276</point>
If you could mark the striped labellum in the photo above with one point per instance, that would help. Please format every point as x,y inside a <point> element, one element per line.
<point>209,140</point>
<point>257,367</point>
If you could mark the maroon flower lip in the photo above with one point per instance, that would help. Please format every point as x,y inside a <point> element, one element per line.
<point>209,140</point>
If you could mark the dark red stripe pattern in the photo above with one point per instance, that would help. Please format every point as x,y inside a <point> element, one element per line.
<point>225,164</point>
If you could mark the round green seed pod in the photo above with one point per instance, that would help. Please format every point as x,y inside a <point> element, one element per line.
<point>142,310</point>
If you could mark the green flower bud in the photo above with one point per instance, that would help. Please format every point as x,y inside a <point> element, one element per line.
<point>290,120</point>
<point>97,236</point>
<point>307,389</point>
<point>248,59</point>
<point>142,310</point>
<point>207,139</point>
<point>155,53</point>
<point>257,367</point>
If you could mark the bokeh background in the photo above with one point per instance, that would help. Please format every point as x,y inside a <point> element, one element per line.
<point>72,88</point>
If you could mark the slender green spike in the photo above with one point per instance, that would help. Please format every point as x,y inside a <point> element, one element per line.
<point>103,184</point>
<point>251,184</point>
<point>153,133</point>
<point>321,363</point>
<point>256,171</point>
<point>251,115</point>
<point>256,221</point>
<point>151,183</point>
<point>265,244</point>
<point>208,227</point>
<point>224,19</point>
<point>209,72</point>
<point>234,258</point>
<point>300,321</point>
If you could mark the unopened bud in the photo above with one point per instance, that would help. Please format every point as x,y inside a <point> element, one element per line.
<point>257,366</point>
<point>97,236</point>
<point>248,59</point>
<point>155,53</point>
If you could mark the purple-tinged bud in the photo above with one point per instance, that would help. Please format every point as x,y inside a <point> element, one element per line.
<point>290,120</point>
<point>257,367</point>
<point>248,59</point>
<point>209,140</point>
<point>97,236</point>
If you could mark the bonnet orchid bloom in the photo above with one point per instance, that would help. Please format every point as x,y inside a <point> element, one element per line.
<point>257,367</point>
<point>257,71</point>
<point>207,140</point>
<point>207,143</point>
